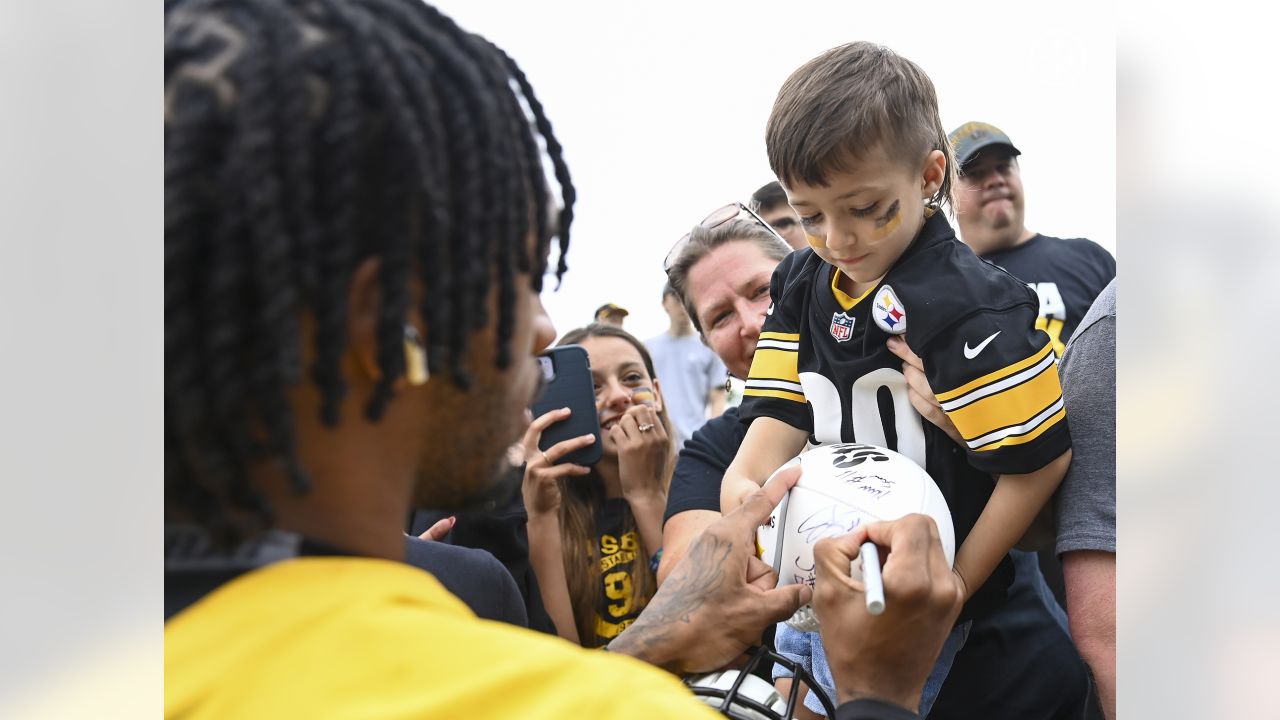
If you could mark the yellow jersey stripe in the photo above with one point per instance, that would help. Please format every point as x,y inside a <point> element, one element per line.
<point>775,364</point>
<point>997,375</point>
<point>789,337</point>
<point>1043,427</point>
<point>1000,385</point>
<point>795,397</point>
<point>1011,406</point>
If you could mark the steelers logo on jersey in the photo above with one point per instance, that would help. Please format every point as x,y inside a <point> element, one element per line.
<point>888,312</point>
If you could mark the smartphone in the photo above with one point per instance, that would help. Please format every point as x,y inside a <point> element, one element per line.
<point>567,372</point>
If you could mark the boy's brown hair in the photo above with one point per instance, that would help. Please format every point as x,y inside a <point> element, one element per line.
<point>845,102</point>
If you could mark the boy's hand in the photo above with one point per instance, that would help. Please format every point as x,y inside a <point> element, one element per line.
<point>770,443</point>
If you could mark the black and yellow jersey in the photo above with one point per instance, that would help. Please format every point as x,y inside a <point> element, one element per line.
<point>821,365</point>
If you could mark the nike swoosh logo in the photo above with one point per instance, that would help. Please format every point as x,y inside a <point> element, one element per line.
<point>770,310</point>
<point>971,353</point>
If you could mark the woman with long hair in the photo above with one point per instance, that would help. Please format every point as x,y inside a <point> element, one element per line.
<point>595,532</point>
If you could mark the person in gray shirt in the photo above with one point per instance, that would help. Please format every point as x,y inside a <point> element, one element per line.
<point>693,378</point>
<point>1085,504</point>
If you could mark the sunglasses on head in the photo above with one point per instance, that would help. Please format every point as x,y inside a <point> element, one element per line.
<point>717,218</point>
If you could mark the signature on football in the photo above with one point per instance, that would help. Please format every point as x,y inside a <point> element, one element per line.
<point>809,577</point>
<point>873,485</point>
<point>830,521</point>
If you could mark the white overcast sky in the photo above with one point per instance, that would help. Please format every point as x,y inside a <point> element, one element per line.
<point>661,108</point>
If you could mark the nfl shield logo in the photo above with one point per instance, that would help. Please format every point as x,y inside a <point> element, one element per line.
<point>841,326</point>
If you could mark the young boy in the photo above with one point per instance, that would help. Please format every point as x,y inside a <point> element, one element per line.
<point>856,141</point>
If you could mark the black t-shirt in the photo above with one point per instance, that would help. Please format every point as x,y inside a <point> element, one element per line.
<point>474,576</point>
<point>703,460</point>
<point>193,569</point>
<point>501,528</point>
<point>621,558</point>
<point>1066,274</point>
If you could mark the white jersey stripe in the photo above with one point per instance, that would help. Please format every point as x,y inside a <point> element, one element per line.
<point>1022,429</point>
<point>778,345</point>
<point>759,384</point>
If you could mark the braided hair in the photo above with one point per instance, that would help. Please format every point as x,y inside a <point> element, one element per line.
<point>301,138</point>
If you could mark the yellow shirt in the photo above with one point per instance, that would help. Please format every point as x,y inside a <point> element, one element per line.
<point>365,638</point>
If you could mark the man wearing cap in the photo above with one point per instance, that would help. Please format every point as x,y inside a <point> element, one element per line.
<point>1067,275</point>
<point>611,314</point>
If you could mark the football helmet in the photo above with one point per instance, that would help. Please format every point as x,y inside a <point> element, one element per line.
<point>742,695</point>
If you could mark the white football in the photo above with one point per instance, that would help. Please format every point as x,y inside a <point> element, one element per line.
<point>843,486</point>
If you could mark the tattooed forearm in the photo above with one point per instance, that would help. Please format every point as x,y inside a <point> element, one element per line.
<point>664,629</point>
<point>687,588</point>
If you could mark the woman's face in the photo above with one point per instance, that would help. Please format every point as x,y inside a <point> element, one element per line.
<point>729,289</point>
<point>621,381</point>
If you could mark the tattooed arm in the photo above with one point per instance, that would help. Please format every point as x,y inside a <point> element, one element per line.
<point>719,599</point>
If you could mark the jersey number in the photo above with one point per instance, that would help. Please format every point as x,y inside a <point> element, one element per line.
<point>617,586</point>
<point>864,415</point>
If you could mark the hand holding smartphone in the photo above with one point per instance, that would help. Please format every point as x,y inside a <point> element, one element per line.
<point>567,372</point>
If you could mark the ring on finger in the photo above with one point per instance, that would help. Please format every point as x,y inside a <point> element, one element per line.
<point>646,427</point>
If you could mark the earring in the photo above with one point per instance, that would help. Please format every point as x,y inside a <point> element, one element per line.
<point>728,381</point>
<point>415,357</point>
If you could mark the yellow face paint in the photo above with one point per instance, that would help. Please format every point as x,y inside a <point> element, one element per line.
<point>889,226</point>
<point>642,395</point>
<point>815,242</point>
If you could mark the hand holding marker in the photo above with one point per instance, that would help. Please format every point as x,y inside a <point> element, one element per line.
<point>871,579</point>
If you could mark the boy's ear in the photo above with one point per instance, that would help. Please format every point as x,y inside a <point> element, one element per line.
<point>933,173</point>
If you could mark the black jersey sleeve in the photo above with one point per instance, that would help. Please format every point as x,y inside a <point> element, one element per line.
<point>773,386</point>
<point>996,377</point>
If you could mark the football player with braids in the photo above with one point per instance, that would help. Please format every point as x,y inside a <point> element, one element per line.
<point>356,224</point>
<point>356,228</point>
